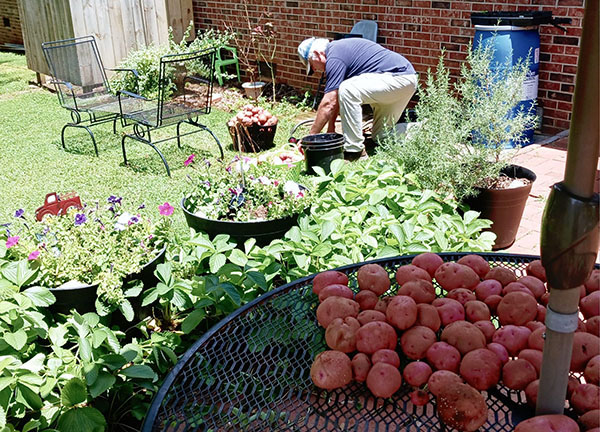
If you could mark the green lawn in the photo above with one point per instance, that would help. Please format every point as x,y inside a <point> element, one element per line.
<point>34,163</point>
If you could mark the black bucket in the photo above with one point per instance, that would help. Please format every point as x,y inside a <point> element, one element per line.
<point>321,150</point>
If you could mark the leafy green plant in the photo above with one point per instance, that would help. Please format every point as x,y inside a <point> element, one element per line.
<point>457,144</point>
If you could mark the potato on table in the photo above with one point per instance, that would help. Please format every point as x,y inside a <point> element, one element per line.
<point>517,308</point>
<point>441,379</point>
<point>428,261</point>
<point>513,338</point>
<point>374,336</point>
<point>487,288</point>
<point>368,316</point>
<point>366,299</point>
<point>517,374</point>
<point>585,346</point>
<point>386,356</point>
<point>535,285</point>
<point>476,310</point>
<point>592,371</point>
<point>410,272</point>
<point>427,315</point>
<point>590,305</point>
<point>401,312</point>
<point>534,357</point>
<point>374,278</point>
<point>443,356</point>
<point>477,263</point>
<point>449,310</point>
<point>585,397</point>
<point>481,368</point>
<point>548,423</point>
<point>499,350</point>
<point>502,275</point>
<point>331,370</point>
<point>336,307</point>
<point>361,364</point>
<point>338,290</point>
<point>535,268</point>
<point>329,277</point>
<point>416,341</point>
<point>590,419</point>
<point>487,328</point>
<point>461,295</point>
<point>464,336</point>
<point>531,393</point>
<point>462,407</point>
<point>421,291</point>
<point>341,334</point>
<point>453,275</point>
<point>417,373</point>
<point>384,380</point>
<point>593,282</point>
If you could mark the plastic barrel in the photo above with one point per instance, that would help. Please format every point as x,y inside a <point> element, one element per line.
<point>321,150</point>
<point>512,44</point>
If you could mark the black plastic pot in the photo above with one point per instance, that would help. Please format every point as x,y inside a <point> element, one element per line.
<point>322,149</point>
<point>504,207</point>
<point>263,231</point>
<point>83,298</point>
<point>254,138</point>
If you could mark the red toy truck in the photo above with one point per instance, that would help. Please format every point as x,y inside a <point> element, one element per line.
<point>57,205</point>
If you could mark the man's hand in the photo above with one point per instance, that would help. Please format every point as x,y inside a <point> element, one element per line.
<point>327,112</point>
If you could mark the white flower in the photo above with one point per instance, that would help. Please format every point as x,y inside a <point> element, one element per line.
<point>291,187</point>
<point>122,223</point>
<point>264,180</point>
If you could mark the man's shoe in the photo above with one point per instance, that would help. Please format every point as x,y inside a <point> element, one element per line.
<point>354,156</point>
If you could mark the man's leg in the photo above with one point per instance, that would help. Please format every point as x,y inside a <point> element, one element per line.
<point>349,99</point>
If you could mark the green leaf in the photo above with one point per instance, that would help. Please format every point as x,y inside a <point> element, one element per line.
<point>113,361</point>
<point>294,234</point>
<point>301,260</point>
<point>238,257</point>
<point>40,296</point>
<point>19,273</point>
<point>127,310</point>
<point>232,292</point>
<point>86,419</point>
<point>371,241</point>
<point>192,320</point>
<point>216,261</point>
<point>377,196</point>
<point>327,228</point>
<point>336,166</point>
<point>74,392</point>
<point>104,381</point>
<point>163,272</point>
<point>28,397</point>
<point>470,216</point>
<point>398,233</point>
<point>17,340</point>
<point>2,417</point>
<point>441,240</point>
<point>138,371</point>
<point>29,426</point>
<point>85,349</point>
<point>321,250</point>
<point>259,279</point>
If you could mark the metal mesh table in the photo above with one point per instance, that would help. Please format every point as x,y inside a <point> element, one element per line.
<point>251,372</point>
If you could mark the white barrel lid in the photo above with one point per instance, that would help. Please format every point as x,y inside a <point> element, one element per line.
<point>503,28</point>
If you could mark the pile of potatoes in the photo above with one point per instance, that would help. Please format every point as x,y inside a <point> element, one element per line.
<point>454,350</point>
<point>250,115</point>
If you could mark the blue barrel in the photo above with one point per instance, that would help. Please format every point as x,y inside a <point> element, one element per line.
<point>511,44</point>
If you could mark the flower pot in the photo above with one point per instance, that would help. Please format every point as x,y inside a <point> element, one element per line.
<point>504,207</point>
<point>253,89</point>
<point>322,149</point>
<point>253,138</point>
<point>263,231</point>
<point>82,297</point>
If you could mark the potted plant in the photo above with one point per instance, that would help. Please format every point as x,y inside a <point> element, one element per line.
<point>245,198</point>
<point>85,255</point>
<point>252,129</point>
<point>458,144</point>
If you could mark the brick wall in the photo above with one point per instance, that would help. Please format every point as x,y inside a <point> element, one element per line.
<point>10,24</point>
<point>418,29</point>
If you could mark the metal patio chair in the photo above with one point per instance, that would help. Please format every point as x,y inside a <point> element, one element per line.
<point>79,78</point>
<point>184,94</point>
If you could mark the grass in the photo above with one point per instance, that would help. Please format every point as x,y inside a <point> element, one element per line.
<point>34,163</point>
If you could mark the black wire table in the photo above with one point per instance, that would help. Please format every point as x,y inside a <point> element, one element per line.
<point>251,372</point>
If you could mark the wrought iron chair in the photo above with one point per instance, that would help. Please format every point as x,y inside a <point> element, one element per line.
<point>79,78</point>
<point>184,93</point>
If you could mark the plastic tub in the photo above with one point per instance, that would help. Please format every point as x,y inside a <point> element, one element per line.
<point>322,149</point>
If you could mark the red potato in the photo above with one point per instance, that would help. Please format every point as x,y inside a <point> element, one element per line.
<point>593,282</point>
<point>374,278</point>
<point>384,380</point>
<point>541,314</point>
<point>592,326</point>
<point>427,315</point>
<point>361,366</point>
<point>368,316</point>
<point>585,397</point>
<point>421,291</point>
<point>536,339</point>
<point>502,275</point>
<point>417,373</point>
<point>374,336</point>
<point>428,261</point>
<point>329,277</point>
<point>487,288</point>
<point>534,357</point>
<point>449,310</point>
<point>590,305</point>
<point>590,420</point>
<point>535,285</point>
<point>462,407</point>
<point>366,299</point>
<point>535,268</point>
<point>492,302</point>
<point>499,350</point>
<point>419,397</point>
<point>480,368</point>
<point>585,346</point>
<point>410,272</point>
<point>461,295</point>
<point>443,356</point>
<point>531,393</point>
<point>336,307</point>
<point>517,308</point>
<point>401,312</point>
<point>572,384</point>
<point>517,374</point>
<point>516,286</point>
<point>545,298</point>
<point>386,356</point>
<point>477,263</point>
<point>452,275</point>
<point>487,328</point>
<point>580,326</point>
<point>534,325</point>
<point>463,336</point>
<point>513,338</point>
<point>441,379</point>
<point>382,304</point>
<point>416,341</point>
<point>548,423</point>
<point>592,371</point>
<point>338,290</point>
<point>476,310</point>
<point>331,370</point>
<point>341,334</point>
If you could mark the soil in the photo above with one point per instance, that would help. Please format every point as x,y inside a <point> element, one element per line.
<point>505,182</point>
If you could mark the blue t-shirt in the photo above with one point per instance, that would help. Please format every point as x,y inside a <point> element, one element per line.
<point>350,57</point>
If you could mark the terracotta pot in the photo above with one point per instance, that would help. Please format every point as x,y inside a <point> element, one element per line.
<point>504,207</point>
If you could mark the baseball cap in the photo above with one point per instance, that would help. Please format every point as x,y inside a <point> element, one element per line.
<point>305,49</point>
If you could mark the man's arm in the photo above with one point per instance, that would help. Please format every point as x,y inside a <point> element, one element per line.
<point>328,109</point>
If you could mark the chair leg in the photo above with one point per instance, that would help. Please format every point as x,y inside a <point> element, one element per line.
<point>201,126</point>
<point>123,147</point>
<point>162,157</point>
<point>218,74</point>
<point>178,137</point>
<point>237,68</point>
<point>145,142</point>
<point>62,135</point>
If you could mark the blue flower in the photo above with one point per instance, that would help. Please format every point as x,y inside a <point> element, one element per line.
<point>80,219</point>
<point>142,206</point>
<point>114,200</point>
<point>19,213</point>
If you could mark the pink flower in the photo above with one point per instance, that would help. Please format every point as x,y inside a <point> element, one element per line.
<point>166,209</point>
<point>190,159</point>
<point>12,241</point>
<point>33,255</point>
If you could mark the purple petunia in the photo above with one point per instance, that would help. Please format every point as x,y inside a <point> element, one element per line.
<point>12,241</point>
<point>142,206</point>
<point>19,213</point>
<point>190,159</point>
<point>114,200</point>
<point>80,219</point>
<point>33,255</point>
<point>165,209</point>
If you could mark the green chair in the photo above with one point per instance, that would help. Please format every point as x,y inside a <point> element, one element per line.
<point>221,64</point>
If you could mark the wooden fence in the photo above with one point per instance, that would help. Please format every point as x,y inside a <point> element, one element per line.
<point>120,26</point>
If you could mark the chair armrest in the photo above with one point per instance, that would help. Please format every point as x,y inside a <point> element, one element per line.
<point>133,71</point>
<point>67,84</point>
<point>231,49</point>
<point>131,94</point>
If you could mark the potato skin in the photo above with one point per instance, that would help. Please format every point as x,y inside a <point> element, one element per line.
<point>513,338</point>
<point>477,263</point>
<point>499,350</point>
<point>531,393</point>
<point>592,326</point>
<point>590,305</point>
<point>476,310</point>
<point>585,397</point>
<point>517,308</point>
<point>585,346</point>
<point>464,336</point>
<point>593,282</point>
<point>487,328</point>
<point>536,339</point>
<point>502,275</point>
<point>428,261</point>
<point>361,364</point>
<point>535,285</point>
<point>410,272</point>
<point>449,310</point>
<point>366,299</point>
<point>492,302</point>
<point>374,278</point>
<point>546,423</point>
<point>462,407</point>
<point>590,419</point>
<point>516,287</point>
<point>401,312</point>
<point>592,371</point>
<point>534,357</point>
<point>384,380</point>
<point>441,379</point>
<point>421,291</point>
<point>461,295</point>
<point>382,304</point>
<point>374,336</point>
<point>416,373</point>
<point>335,290</point>
<point>452,275</point>
<point>386,356</point>
<point>368,316</point>
<point>427,315</point>
<point>443,356</point>
<point>487,288</point>
<point>341,334</point>
<point>336,307</point>
<point>481,368</point>
<point>517,374</point>
<point>331,370</point>
<point>328,277</point>
<point>535,268</point>
<point>416,341</point>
